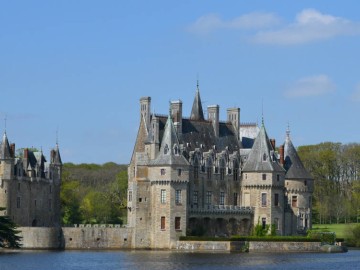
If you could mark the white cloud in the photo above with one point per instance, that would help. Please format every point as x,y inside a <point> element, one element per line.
<point>311,86</point>
<point>310,25</point>
<point>212,22</point>
<point>356,95</point>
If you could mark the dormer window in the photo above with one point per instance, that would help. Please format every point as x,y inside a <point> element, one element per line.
<point>264,157</point>
<point>176,150</point>
<point>166,149</point>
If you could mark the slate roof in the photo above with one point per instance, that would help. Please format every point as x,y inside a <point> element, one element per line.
<point>5,152</point>
<point>262,147</point>
<point>170,149</point>
<point>200,134</point>
<point>293,165</point>
<point>197,111</point>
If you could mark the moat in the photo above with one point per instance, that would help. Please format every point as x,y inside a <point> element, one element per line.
<point>56,260</point>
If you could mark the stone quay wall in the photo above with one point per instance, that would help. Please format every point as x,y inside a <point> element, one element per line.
<point>79,237</point>
<point>252,246</point>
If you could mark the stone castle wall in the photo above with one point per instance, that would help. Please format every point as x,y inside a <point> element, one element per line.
<point>84,237</point>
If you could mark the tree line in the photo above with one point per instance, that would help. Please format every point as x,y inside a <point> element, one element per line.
<point>92,193</point>
<point>335,168</point>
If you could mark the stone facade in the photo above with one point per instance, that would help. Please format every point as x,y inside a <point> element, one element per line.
<point>30,186</point>
<point>197,176</point>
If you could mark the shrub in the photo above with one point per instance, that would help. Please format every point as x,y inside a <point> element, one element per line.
<point>354,236</point>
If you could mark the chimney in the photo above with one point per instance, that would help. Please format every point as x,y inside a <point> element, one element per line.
<point>12,150</point>
<point>272,141</point>
<point>213,116</point>
<point>26,153</point>
<point>145,104</point>
<point>233,117</point>
<point>281,150</point>
<point>176,115</point>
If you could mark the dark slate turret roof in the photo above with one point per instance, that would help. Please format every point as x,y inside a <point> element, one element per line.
<point>57,157</point>
<point>255,161</point>
<point>5,152</point>
<point>293,165</point>
<point>170,149</point>
<point>197,111</point>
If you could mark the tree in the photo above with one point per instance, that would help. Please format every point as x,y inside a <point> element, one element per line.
<point>8,232</point>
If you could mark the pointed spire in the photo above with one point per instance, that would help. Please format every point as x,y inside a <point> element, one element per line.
<point>5,152</point>
<point>170,148</point>
<point>57,158</point>
<point>261,157</point>
<point>293,165</point>
<point>197,111</point>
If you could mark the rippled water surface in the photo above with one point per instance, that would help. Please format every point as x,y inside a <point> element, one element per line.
<point>104,260</point>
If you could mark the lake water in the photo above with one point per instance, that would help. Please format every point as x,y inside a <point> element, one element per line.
<point>104,260</point>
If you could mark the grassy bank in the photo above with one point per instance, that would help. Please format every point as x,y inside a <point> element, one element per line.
<point>341,230</point>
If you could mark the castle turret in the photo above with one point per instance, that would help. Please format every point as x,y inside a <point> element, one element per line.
<point>299,188</point>
<point>263,178</point>
<point>197,110</point>
<point>6,159</point>
<point>169,177</point>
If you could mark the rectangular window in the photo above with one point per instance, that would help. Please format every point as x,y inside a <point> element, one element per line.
<point>222,173</point>
<point>177,223</point>
<point>208,173</point>
<point>163,196</point>
<point>208,197</point>
<point>305,183</point>
<point>222,198</point>
<point>162,225</point>
<point>18,186</point>
<point>178,196</point>
<point>236,174</point>
<point>276,202</point>
<point>195,197</point>
<point>264,176</point>
<point>35,202</point>
<point>196,172</point>
<point>179,172</point>
<point>162,172</point>
<point>130,196</point>
<point>50,205</point>
<point>263,199</point>
<point>278,177</point>
<point>294,201</point>
<point>276,223</point>
<point>235,199</point>
<point>18,202</point>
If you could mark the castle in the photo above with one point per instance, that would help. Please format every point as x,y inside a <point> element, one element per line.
<point>197,176</point>
<point>30,186</point>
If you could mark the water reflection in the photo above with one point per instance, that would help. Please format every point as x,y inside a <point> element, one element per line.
<point>105,260</point>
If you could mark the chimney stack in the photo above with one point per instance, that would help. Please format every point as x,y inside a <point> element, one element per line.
<point>281,150</point>
<point>176,115</point>
<point>12,150</point>
<point>213,116</point>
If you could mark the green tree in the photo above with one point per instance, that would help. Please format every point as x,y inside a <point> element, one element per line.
<point>9,237</point>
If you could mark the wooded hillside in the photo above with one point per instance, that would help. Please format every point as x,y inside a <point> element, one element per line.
<point>92,193</point>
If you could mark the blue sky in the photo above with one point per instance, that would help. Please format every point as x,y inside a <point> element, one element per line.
<point>80,67</point>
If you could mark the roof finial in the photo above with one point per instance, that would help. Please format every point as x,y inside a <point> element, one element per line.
<point>262,112</point>
<point>169,109</point>
<point>197,82</point>
<point>288,130</point>
<point>5,120</point>
<point>57,136</point>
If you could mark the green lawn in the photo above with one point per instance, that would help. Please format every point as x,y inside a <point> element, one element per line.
<point>341,230</point>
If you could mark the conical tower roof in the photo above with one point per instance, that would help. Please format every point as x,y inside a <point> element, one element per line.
<point>57,157</point>
<point>5,152</point>
<point>197,111</point>
<point>170,149</point>
<point>293,165</point>
<point>261,157</point>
